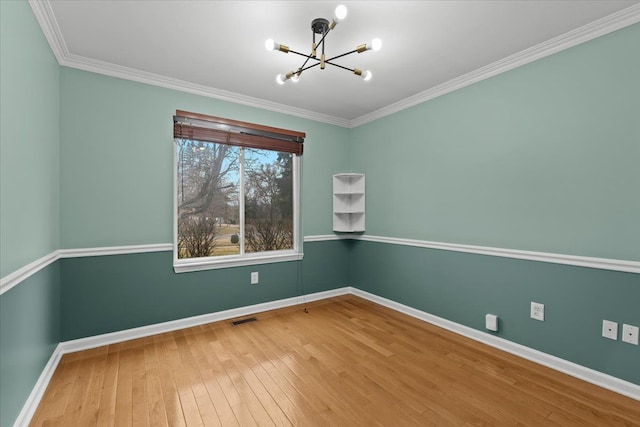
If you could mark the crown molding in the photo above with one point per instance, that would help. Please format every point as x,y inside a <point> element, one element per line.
<point>50,28</point>
<point>113,70</point>
<point>46,18</point>
<point>606,25</point>
<point>44,15</point>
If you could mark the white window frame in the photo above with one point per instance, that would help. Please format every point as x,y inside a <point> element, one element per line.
<point>183,265</point>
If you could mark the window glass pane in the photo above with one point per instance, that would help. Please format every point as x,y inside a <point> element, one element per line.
<point>208,208</point>
<point>268,181</point>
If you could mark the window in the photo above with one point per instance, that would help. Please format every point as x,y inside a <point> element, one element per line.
<point>236,193</point>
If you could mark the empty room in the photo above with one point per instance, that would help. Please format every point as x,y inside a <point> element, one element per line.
<point>314,213</point>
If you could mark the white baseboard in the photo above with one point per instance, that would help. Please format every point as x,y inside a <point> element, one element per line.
<point>586,374</point>
<point>589,375</point>
<point>30,406</point>
<point>159,328</point>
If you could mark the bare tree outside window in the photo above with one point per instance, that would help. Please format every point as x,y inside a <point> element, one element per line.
<point>208,208</point>
<point>209,192</point>
<point>268,201</point>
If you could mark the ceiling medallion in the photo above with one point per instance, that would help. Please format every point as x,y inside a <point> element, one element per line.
<point>322,27</point>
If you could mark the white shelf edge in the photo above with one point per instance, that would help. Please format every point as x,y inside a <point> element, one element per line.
<point>348,202</point>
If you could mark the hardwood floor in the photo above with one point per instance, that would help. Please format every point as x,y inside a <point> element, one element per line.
<point>348,362</point>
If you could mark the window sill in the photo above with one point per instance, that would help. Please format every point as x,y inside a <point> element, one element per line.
<point>184,266</point>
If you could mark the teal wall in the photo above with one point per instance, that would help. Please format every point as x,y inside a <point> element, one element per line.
<point>87,162</point>
<point>464,287</point>
<point>29,140</point>
<point>29,203</point>
<point>543,158</point>
<point>117,159</point>
<point>29,332</point>
<point>112,293</point>
<point>117,189</point>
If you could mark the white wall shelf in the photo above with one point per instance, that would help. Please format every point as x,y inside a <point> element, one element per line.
<point>348,203</point>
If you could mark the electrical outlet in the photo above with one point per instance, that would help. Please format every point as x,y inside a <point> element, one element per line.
<point>630,334</point>
<point>254,278</point>
<point>537,311</point>
<point>610,330</point>
<point>491,322</point>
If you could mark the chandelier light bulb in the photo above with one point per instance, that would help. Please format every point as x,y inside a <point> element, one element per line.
<point>340,13</point>
<point>270,44</point>
<point>322,27</point>
<point>376,44</point>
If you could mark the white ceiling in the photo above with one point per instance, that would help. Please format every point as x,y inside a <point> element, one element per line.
<point>217,47</point>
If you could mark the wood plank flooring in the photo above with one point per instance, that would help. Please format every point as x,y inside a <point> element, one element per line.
<point>347,362</point>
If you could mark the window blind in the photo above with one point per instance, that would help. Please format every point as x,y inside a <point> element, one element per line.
<point>201,127</point>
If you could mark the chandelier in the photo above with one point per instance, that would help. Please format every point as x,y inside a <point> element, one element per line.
<point>321,28</point>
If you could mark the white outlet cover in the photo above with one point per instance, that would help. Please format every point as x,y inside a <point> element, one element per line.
<point>537,311</point>
<point>610,329</point>
<point>255,278</point>
<point>630,334</point>
<point>491,322</point>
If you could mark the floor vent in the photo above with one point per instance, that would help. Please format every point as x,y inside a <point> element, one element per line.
<point>240,322</point>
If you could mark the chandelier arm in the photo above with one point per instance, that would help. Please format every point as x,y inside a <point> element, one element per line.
<point>340,66</point>
<point>305,69</point>
<point>301,68</point>
<point>321,26</point>
<point>340,56</point>
<point>310,56</point>
<point>303,54</point>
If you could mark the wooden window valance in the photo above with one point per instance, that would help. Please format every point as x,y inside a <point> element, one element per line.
<point>201,127</point>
